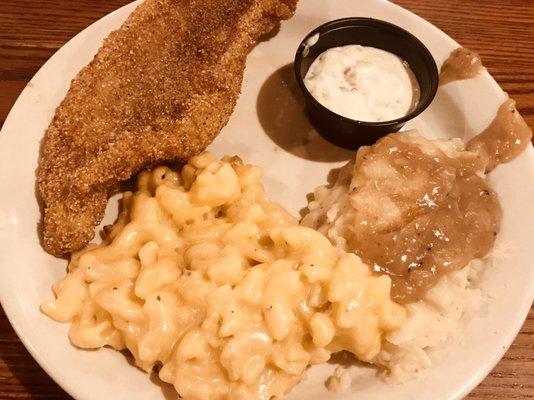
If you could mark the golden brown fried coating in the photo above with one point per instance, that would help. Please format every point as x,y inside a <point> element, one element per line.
<point>159,90</point>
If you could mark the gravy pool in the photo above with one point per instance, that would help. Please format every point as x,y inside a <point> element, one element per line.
<point>461,64</point>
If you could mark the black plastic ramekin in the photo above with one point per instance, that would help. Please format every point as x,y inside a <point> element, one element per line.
<point>346,132</point>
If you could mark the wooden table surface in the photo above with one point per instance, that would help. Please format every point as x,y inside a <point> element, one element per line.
<point>502,31</point>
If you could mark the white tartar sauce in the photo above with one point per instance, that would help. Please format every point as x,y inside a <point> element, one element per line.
<point>363,83</point>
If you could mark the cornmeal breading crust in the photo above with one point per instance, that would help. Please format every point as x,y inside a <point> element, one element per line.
<point>159,90</point>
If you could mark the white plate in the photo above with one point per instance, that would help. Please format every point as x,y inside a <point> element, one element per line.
<point>291,171</point>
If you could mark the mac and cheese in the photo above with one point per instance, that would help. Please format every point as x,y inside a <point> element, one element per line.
<point>206,278</point>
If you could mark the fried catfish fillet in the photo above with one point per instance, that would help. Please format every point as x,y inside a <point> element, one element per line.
<point>159,90</point>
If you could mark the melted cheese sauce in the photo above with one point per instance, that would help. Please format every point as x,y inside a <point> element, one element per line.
<point>204,278</point>
<point>363,83</point>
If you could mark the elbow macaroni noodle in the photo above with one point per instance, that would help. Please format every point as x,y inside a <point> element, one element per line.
<point>206,278</point>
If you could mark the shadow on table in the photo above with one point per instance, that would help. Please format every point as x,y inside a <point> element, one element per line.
<point>20,373</point>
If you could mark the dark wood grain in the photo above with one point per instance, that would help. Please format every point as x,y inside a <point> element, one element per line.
<point>501,31</point>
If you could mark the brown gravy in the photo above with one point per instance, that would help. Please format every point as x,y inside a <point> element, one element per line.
<point>504,139</point>
<point>420,213</point>
<point>461,64</point>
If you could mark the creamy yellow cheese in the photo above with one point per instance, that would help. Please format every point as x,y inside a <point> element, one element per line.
<point>208,278</point>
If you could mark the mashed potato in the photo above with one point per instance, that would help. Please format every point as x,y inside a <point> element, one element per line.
<point>432,319</point>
